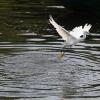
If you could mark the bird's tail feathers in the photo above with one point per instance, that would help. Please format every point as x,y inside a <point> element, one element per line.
<point>52,21</point>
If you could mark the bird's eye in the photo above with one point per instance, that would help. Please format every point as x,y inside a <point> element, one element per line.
<point>81,36</point>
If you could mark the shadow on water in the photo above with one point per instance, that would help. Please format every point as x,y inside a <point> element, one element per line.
<point>29,68</point>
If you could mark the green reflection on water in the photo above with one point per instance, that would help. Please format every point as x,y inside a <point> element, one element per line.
<point>17,16</point>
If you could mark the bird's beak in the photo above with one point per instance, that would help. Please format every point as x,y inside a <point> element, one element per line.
<point>87,33</point>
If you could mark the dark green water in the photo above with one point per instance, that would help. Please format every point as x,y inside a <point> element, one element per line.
<point>29,67</point>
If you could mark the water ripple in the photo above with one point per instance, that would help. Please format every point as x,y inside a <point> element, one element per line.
<point>29,49</point>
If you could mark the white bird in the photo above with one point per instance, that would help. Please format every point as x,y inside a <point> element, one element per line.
<point>71,37</point>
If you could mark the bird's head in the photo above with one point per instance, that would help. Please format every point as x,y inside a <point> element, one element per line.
<point>81,32</point>
<point>82,37</point>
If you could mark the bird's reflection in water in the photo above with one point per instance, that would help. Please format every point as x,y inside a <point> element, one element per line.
<point>62,52</point>
<point>60,55</point>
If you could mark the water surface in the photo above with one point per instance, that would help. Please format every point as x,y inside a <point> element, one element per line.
<point>29,67</point>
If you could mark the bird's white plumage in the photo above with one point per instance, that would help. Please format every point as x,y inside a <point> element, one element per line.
<point>78,31</point>
<point>87,27</point>
<point>61,31</point>
<point>71,37</point>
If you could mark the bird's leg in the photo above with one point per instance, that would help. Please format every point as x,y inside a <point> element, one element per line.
<point>64,46</point>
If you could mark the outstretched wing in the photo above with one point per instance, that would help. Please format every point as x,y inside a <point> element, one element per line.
<point>61,31</point>
<point>87,27</point>
<point>81,29</point>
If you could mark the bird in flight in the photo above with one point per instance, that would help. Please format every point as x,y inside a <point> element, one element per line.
<point>72,37</point>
